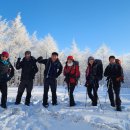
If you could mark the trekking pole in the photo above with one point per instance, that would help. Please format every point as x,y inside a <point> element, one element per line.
<point>64,91</point>
<point>80,83</point>
<point>86,98</point>
<point>69,92</point>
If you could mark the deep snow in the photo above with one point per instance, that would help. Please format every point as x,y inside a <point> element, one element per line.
<point>63,117</point>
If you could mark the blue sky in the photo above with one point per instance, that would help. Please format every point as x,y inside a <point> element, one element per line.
<point>89,22</point>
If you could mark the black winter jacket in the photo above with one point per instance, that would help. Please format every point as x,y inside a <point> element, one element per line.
<point>52,70</point>
<point>29,68</point>
<point>113,71</point>
<point>6,72</point>
<point>94,72</point>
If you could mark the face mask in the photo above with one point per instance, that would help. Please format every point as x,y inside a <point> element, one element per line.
<point>70,64</point>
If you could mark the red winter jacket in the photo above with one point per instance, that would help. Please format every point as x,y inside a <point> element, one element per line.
<point>72,73</point>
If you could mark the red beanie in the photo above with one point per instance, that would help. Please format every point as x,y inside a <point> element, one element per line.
<point>6,54</point>
<point>70,58</point>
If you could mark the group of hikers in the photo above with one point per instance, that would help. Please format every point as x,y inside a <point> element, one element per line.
<point>53,69</point>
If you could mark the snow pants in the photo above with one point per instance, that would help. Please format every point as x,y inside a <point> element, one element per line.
<point>28,85</point>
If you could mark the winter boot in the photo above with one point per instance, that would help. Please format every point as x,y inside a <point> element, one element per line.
<point>94,103</point>
<point>45,105</point>
<point>118,108</point>
<point>18,98</point>
<point>3,106</point>
<point>113,104</point>
<point>55,103</point>
<point>27,100</point>
<point>72,104</point>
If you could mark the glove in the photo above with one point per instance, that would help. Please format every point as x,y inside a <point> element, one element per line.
<point>120,79</point>
<point>5,78</point>
<point>19,59</point>
<point>87,84</point>
<point>72,76</point>
<point>8,79</point>
<point>66,80</point>
<point>39,58</point>
<point>107,78</point>
<point>57,75</point>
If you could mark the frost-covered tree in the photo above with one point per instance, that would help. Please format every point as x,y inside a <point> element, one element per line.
<point>74,51</point>
<point>103,53</point>
<point>18,40</point>
<point>83,64</point>
<point>46,46</point>
<point>3,33</point>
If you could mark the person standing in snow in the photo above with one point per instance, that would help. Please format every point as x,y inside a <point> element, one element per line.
<point>72,74</point>
<point>53,69</point>
<point>29,69</point>
<point>114,72</point>
<point>94,74</point>
<point>6,73</point>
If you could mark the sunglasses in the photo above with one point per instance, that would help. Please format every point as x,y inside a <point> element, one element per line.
<point>4,56</point>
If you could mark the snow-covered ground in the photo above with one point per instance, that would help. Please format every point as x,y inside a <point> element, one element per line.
<point>63,117</point>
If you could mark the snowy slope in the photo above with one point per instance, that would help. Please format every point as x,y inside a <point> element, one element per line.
<point>62,117</point>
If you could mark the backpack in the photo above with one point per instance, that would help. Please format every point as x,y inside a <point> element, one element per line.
<point>77,63</point>
<point>99,68</point>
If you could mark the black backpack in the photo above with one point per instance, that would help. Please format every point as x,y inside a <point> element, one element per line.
<point>77,63</point>
<point>99,68</point>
